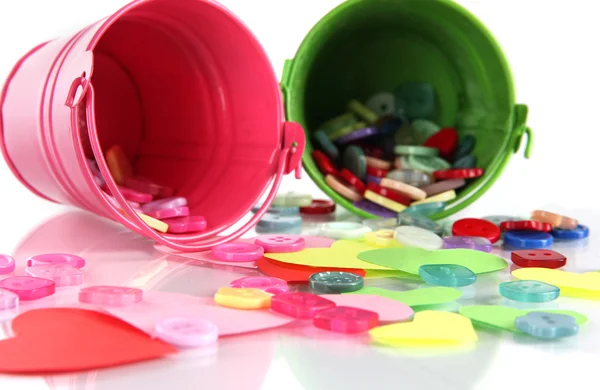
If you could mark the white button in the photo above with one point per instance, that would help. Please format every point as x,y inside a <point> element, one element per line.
<point>413,236</point>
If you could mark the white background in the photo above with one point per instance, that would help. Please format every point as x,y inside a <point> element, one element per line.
<point>552,47</point>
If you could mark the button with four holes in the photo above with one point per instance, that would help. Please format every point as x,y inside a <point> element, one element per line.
<point>335,282</point>
<point>300,304</point>
<point>343,319</point>
<point>186,332</point>
<point>280,243</point>
<point>527,239</point>
<point>538,258</point>
<point>475,227</point>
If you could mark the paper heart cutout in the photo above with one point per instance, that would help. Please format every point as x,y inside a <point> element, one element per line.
<point>571,284</point>
<point>427,328</point>
<point>67,340</point>
<point>416,297</point>
<point>158,305</point>
<point>410,259</point>
<point>378,274</point>
<point>389,310</point>
<point>293,273</point>
<point>503,317</point>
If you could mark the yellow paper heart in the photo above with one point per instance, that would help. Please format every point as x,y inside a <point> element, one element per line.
<point>571,284</point>
<point>427,328</point>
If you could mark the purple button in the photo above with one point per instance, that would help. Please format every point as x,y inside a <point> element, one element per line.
<point>7,264</point>
<point>357,135</point>
<point>464,242</point>
<point>8,300</point>
<point>374,209</point>
<point>373,179</point>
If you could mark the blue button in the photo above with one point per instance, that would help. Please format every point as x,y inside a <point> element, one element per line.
<point>448,275</point>
<point>529,291</point>
<point>335,282</point>
<point>275,223</point>
<point>465,162</point>
<point>528,240</point>
<point>547,325</point>
<point>579,233</point>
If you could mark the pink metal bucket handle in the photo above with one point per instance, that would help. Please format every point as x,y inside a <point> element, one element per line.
<point>289,160</point>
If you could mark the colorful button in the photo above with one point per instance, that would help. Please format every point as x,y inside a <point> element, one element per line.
<point>118,164</point>
<point>448,275</point>
<point>344,230</point>
<point>56,258</point>
<point>411,192</point>
<point>375,209</point>
<point>382,104</point>
<point>474,227</point>
<point>292,199</point>
<point>238,252</point>
<point>538,258</point>
<point>465,242</point>
<point>342,188</point>
<point>411,150</point>
<point>529,291</point>
<point>557,221</point>
<point>354,182</point>
<point>63,275</point>
<point>384,202</point>
<point>29,288</point>
<point>381,224</point>
<point>443,186</point>
<point>466,145</point>
<point>362,112</point>
<point>376,172</point>
<point>547,325</point>
<point>347,120</point>
<point>447,174</point>
<point>278,210</point>
<point>7,265</point>
<point>498,219</point>
<point>8,300</point>
<point>274,222</point>
<point>357,135</point>
<point>378,163</point>
<point>412,236</point>
<point>334,282</point>
<point>420,221</point>
<point>300,304</point>
<point>133,196</point>
<point>186,332</point>
<point>323,162</point>
<point>354,160</point>
<point>381,238</point>
<point>280,243</point>
<point>415,100</point>
<point>170,213</point>
<point>426,209</point>
<point>147,186</point>
<point>265,283</point>
<point>527,239</point>
<point>466,162</point>
<point>579,233</point>
<point>526,225</point>
<point>166,203</point>
<point>191,224</point>
<point>323,142</point>
<point>445,141</point>
<point>319,207</point>
<point>343,319</point>
<point>389,194</point>
<point>443,197</point>
<point>243,298</point>
<point>115,296</point>
<point>410,177</point>
<point>427,164</point>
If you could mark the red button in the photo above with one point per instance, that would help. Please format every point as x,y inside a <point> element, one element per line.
<point>390,194</point>
<point>445,141</point>
<point>353,181</point>
<point>541,258</point>
<point>474,227</point>
<point>448,174</point>
<point>372,151</point>
<point>319,206</point>
<point>372,171</point>
<point>324,163</point>
<point>526,225</point>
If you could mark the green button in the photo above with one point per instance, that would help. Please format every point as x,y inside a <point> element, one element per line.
<point>405,135</point>
<point>415,150</point>
<point>423,129</point>
<point>340,122</point>
<point>355,161</point>
<point>427,164</point>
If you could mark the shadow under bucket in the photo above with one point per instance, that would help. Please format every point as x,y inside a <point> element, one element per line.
<point>187,92</point>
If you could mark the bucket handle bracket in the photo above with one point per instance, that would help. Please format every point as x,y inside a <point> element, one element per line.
<point>294,140</point>
<point>77,92</point>
<point>520,127</point>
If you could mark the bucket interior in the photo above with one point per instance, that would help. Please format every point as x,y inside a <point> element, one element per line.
<point>190,96</point>
<point>366,47</point>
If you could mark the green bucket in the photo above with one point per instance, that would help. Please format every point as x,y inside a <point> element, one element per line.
<point>363,47</point>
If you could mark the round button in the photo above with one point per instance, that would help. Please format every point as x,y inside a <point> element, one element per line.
<point>62,274</point>
<point>353,181</point>
<point>238,252</point>
<point>29,288</point>
<point>186,332</point>
<point>324,163</point>
<point>526,225</point>
<point>334,282</point>
<point>110,295</point>
<point>445,141</point>
<point>8,300</point>
<point>474,227</point>
<point>280,243</point>
<point>7,265</point>
<point>319,206</point>
<point>56,258</point>
<point>344,230</point>
<point>447,174</point>
<point>382,104</point>
<point>413,236</point>
<point>389,194</point>
<point>267,284</point>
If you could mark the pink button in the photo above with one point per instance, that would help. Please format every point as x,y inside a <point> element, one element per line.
<point>191,224</point>
<point>280,243</point>
<point>29,288</point>
<point>167,203</point>
<point>110,295</point>
<point>7,264</point>
<point>238,252</point>
<point>56,258</point>
<point>63,275</point>
<point>344,319</point>
<point>169,213</point>
<point>147,186</point>
<point>135,196</point>
<point>186,332</point>
<point>8,300</point>
<point>300,304</point>
<point>111,199</point>
<point>265,283</point>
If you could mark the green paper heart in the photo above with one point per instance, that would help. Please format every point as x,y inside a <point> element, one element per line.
<point>416,297</point>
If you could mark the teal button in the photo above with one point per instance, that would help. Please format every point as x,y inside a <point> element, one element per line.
<point>447,275</point>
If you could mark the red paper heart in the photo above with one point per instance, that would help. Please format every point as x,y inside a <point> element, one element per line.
<point>294,273</point>
<point>68,340</point>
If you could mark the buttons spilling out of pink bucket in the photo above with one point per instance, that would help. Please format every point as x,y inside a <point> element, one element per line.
<point>387,155</point>
<point>154,203</point>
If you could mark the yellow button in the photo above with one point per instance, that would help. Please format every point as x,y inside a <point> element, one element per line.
<point>384,202</point>
<point>443,197</point>
<point>243,298</point>
<point>381,239</point>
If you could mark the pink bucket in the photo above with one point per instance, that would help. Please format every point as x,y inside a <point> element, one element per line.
<point>183,87</point>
